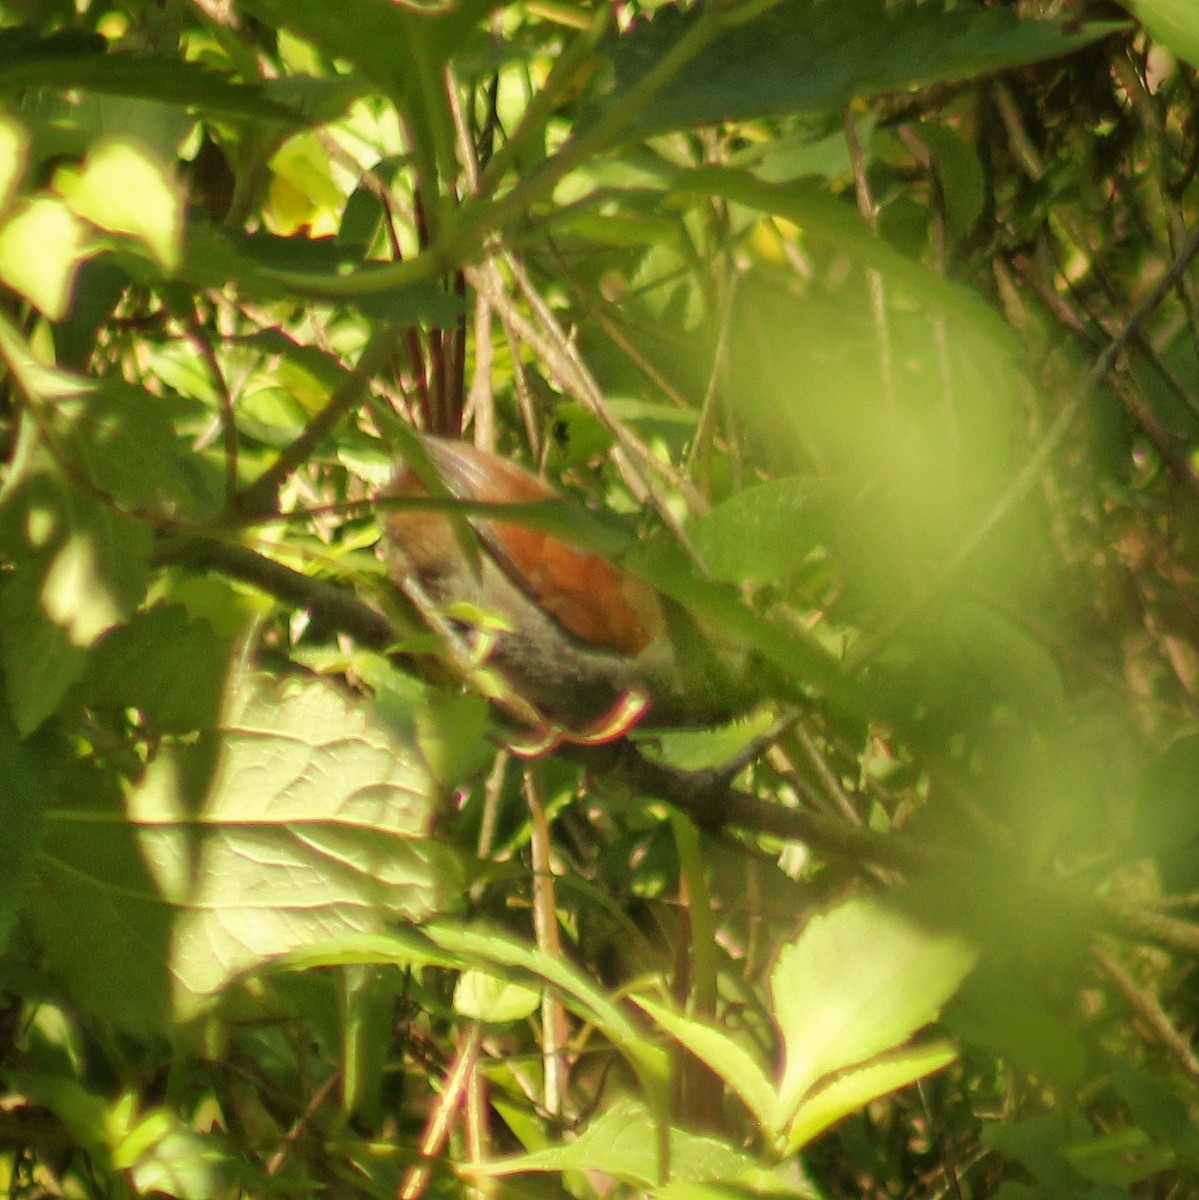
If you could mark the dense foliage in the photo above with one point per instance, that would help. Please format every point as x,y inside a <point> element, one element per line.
<point>866,330</point>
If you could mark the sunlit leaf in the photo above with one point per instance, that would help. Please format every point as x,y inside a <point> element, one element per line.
<point>856,982</point>
<point>14,157</point>
<point>79,569</point>
<point>727,1058</point>
<point>41,246</point>
<point>621,1143</point>
<point>314,826</point>
<point>122,188</point>
<point>486,997</point>
<point>855,1089</point>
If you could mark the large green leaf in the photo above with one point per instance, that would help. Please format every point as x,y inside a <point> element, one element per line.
<point>1175,23</point>
<point>817,55</point>
<point>314,824</point>
<point>858,981</point>
<point>299,821</point>
<point>97,913</point>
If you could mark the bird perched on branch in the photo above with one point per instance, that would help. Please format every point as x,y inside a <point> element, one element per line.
<point>592,647</point>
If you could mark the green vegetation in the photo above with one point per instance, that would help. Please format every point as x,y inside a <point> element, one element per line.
<point>865,330</point>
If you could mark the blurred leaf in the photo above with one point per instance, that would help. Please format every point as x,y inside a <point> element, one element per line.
<point>1039,1145</point>
<point>121,188</point>
<point>482,996</point>
<point>1120,1158</point>
<point>856,982</point>
<point>25,792</point>
<point>1157,1109</point>
<point>1173,22</point>
<point>960,175</point>
<point>41,247</point>
<point>812,55</point>
<point>828,220</point>
<point>757,535</point>
<point>1011,1021</point>
<point>1167,818</point>
<point>14,158</point>
<point>75,59</point>
<point>178,1161</point>
<point>388,42</point>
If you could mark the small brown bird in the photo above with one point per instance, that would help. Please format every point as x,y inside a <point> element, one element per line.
<point>593,648</point>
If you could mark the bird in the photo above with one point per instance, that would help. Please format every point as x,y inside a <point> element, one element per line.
<point>592,648</point>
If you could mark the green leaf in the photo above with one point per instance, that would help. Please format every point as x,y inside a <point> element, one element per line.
<point>1039,1145</point>
<point>858,981</point>
<point>963,184</point>
<point>828,220</point>
<point>385,41</point>
<point>1174,23</point>
<point>1013,1022</point>
<point>122,188</point>
<point>78,569</point>
<point>314,824</point>
<point>269,267</point>
<point>482,996</point>
<point>170,666</point>
<point>41,246</point>
<point>853,1090</point>
<point>731,1061</point>
<point>119,437</point>
<point>97,912</point>
<point>300,821</point>
<point>757,535</point>
<point>172,1159</point>
<point>25,791</point>
<point>621,1143</point>
<point>14,158</point>
<point>491,948</point>
<point>814,56</point>
<point>73,59</point>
